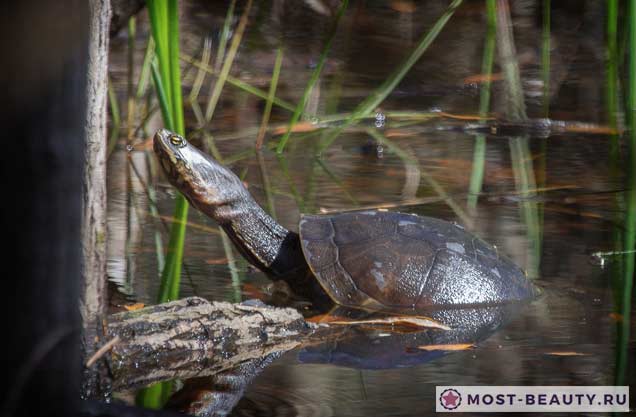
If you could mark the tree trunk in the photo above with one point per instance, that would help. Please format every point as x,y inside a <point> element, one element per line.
<point>93,292</point>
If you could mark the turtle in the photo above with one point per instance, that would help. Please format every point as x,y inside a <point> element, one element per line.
<point>373,260</point>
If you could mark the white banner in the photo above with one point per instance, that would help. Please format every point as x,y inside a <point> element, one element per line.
<point>490,399</point>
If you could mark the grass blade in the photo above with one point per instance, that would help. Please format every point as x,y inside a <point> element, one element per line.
<point>115,118</point>
<point>629,237</point>
<point>270,98</point>
<point>175,70</point>
<point>227,63</point>
<point>439,190</point>
<point>479,152</point>
<point>239,84</point>
<point>164,22</point>
<point>314,78</point>
<point>373,101</point>
<point>225,35</point>
<point>162,96</point>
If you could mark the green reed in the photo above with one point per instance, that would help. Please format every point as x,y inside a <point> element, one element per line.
<point>479,152</point>
<point>270,98</point>
<point>436,186</point>
<point>239,83</point>
<point>369,105</point>
<point>225,35</point>
<point>115,117</point>
<point>629,225</point>
<point>545,56</point>
<point>520,155</point>
<point>164,23</point>
<point>545,77</point>
<point>300,107</point>
<point>227,63</point>
<point>612,104</point>
<point>612,96</point>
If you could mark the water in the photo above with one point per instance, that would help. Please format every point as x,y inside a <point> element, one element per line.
<point>567,337</point>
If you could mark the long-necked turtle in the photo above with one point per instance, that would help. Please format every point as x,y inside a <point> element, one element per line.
<point>376,260</point>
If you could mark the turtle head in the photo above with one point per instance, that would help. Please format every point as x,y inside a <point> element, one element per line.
<point>207,185</point>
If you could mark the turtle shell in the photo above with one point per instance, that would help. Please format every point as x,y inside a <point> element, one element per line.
<point>394,261</point>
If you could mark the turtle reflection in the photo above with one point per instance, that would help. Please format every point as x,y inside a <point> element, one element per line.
<point>370,347</point>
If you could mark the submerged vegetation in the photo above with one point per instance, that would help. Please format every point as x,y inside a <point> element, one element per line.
<point>294,123</point>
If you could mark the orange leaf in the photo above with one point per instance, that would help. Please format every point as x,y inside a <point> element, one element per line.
<point>566,354</point>
<point>458,346</point>
<point>419,322</point>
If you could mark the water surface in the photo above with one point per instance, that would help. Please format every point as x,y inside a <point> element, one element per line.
<point>567,337</point>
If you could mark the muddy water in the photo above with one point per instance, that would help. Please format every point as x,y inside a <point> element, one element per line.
<point>567,337</point>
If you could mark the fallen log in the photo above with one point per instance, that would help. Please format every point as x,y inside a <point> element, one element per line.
<point>194,338</point>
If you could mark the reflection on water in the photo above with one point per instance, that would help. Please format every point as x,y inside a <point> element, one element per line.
<point>365,347</point>
<point>567,337</point>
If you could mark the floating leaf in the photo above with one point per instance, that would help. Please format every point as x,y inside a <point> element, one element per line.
<point>566,354</point>
<point>458,346</point>
<point>417,322</point>
<point>216,261</point>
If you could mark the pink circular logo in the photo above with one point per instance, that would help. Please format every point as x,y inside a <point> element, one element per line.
<point>450,399</point>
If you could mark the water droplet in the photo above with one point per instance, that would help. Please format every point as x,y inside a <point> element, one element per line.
<point>380,119</point>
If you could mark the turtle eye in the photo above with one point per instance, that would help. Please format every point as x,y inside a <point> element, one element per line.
<point>177,141</point>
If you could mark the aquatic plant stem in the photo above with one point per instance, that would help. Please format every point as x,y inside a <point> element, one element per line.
<point>227,63</point>
<point>300,107</point>
<point>629,237</point>
<point>522,167</point>
<point>159,28</point>
<point>479,151</point>
<point>545,57</point>
<point>164,22</point>
<point>239,84</point>
<point>267,185</point>
<point>231,265</point>
<point>545,75</point>
<point>144,74</point>
<point>225,35</point>
<point>612,97</point>
<point>162,96</point>
<point>115,115</point>
<point>337,181</point>
<point>300,203</point>
<point>200,77</point>
<point>130,97</point>
<point>175,70</point>
<point>270,98</point>
<point>374,99</point>
<point>439,190</point>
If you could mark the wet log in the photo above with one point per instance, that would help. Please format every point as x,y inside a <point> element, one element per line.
<point>195,338</point>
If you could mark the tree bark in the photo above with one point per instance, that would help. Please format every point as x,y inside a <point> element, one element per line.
<point>195,338</point>
<point>93,291</point>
